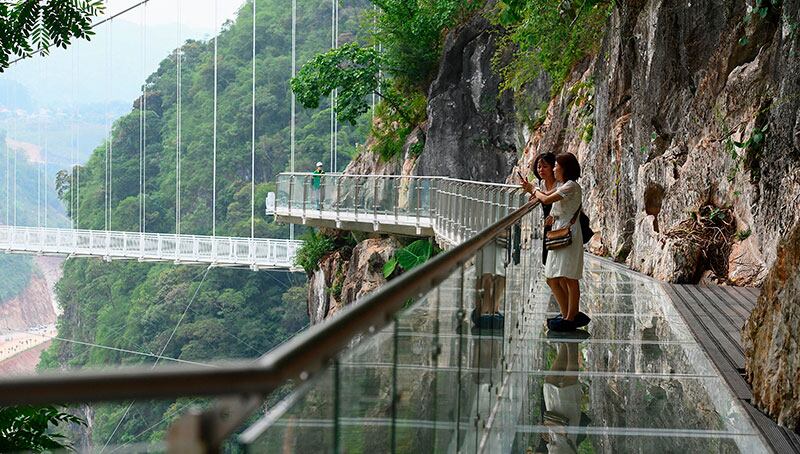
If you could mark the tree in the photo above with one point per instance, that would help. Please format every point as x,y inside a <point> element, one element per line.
<point>351,69</point>
<point>31,26</point>
<point>25,428</point>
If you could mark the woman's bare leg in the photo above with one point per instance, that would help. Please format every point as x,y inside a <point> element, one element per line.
<point>562,298</point>
<point>573,297</point>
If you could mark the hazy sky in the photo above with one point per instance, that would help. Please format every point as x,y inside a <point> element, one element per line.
<point>51,80</point>
<point>194,13</point>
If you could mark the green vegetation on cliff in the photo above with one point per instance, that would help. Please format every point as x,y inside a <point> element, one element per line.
<point>186,312</point>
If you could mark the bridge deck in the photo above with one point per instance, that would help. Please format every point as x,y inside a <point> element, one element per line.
<point>716,316</point>
<point>255,253</point>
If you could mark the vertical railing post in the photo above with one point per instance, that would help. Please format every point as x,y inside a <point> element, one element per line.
<point>419,201</point>
<point>291,193</point>
<point>396,198</point>
<point>338,197</point>
<point>355,198</point>
<point>375,202</point>
<point>305,196</point>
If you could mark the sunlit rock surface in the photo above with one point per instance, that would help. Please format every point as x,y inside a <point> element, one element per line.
<point>772,345</point>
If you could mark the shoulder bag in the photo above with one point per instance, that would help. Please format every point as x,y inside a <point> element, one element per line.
<point>561,238</point>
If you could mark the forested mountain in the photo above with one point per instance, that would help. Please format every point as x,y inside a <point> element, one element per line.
<point>186,312</point>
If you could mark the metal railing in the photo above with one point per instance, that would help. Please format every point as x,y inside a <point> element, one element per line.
<point>213,250</point>
<point>489,264</point>
<point>453,209</point>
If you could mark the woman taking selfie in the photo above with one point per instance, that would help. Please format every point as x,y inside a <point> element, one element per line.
<point>546,182</point>
<point>564,264</point>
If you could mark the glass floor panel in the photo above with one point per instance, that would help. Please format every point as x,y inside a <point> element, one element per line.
<point>634,380</point>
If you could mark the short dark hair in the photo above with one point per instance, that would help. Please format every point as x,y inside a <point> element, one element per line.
<point>570,166</point>
<point>548,157</point>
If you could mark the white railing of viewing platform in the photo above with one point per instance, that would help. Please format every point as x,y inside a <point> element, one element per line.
<point>454,209</point>
<point>255,253</point>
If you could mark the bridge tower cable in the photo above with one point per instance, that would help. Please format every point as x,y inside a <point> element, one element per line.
<point>144,121</point>
<point>332,95</point>
<point>107,122</point>
<point>178,122</point>
<point>110,122</point>
<point>45,81</point>
<point>336,92</point>
<point>253,136</point>
<point>141,122</point>
<point>8,159</point>
<point>293,115</point>
<point>14,136</point>
<point>78,137</point>
<point>214,169</point>
<point>39,160</point>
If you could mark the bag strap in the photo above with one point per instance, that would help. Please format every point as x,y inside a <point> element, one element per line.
<point>575,216</point>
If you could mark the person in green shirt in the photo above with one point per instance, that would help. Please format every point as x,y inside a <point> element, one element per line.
<point>316,184</point>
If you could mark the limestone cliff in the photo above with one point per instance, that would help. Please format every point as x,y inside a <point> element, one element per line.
<point>772,346</point>
<point>676,112</point>
<point>346,275</point>
<point>471,131</point>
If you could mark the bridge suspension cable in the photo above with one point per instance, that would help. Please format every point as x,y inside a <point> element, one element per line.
<point>8,166</point>
<point>253,136</point>
<point>214,170</point>
<point>178,120</point>
<point>293,115</point>
<point>78,138</point>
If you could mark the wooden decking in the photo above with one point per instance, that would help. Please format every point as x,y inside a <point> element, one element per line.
<point>716,316</point>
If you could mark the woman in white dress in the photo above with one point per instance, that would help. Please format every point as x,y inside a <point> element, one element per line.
<point>564,267</point>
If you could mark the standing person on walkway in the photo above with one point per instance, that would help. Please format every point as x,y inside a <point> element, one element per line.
<point>564,266</point>
<point>543,166</point>
<point>316,184</point>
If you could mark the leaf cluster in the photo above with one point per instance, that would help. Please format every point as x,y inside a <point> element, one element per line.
<point>409,257</point>
<point>411,33</point>
<point>315,246</point>
<point>27,428</point>
<point>550,36</point>
<point>30,26</point>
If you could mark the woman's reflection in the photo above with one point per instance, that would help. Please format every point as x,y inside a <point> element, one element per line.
<point>562,395</point>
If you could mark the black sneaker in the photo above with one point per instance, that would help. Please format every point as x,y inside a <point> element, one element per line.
<point>562,324</point>
<point>582,319</point>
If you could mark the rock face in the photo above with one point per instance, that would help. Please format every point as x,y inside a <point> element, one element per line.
<point>32,307</point>
<point>680,115</point>
<point>471,131</point>
<point>772,346</point>
<point>344,276</point>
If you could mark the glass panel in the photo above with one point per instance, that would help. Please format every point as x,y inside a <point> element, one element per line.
<point>471,366</point>
<point>306,424</point>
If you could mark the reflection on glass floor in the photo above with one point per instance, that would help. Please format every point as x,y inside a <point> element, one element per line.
<point>634,380</point>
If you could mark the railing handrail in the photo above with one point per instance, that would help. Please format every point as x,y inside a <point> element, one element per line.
<point>412,177</point>
<point>146,234</point>
<point>303,356</point>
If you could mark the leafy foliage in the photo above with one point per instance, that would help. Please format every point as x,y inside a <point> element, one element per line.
<point>410,33</point>
<point>30,26</point>
<point>390,130</point>
<point>551,36</point>
<point>409,257</point>
<point>234,313</point>
<point>351,69</point>
<point>27,428</point>
<point>315,246</point>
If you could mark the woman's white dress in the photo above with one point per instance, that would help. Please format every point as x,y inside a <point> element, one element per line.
<point>568,261</point>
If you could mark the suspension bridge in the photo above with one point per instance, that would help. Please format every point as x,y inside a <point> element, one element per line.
<point>400,370</point>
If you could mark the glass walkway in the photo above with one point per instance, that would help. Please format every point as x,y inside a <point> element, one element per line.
<point>413,368</point>
<point>634,381</point>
